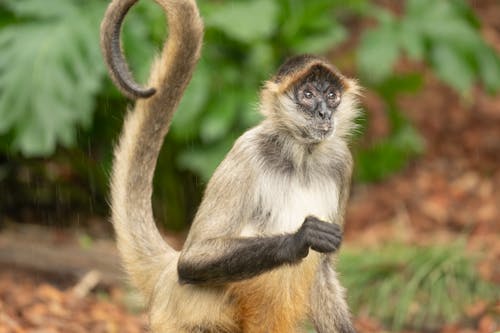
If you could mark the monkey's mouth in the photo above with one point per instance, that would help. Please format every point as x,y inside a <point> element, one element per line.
<point>321,130</point>
<point>324,128</point>
<point>316,131</point>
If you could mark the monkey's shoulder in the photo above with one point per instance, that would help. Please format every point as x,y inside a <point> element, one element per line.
<point>262,151</point>
<point>284,156</point>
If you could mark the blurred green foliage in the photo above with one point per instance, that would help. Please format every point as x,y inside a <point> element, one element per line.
<point>443,33</point>
<point>50,73</point>
<point>55,97</point>
<point>413,286</point>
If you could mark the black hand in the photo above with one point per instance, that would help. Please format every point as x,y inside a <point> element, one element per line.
<point>318,235</point>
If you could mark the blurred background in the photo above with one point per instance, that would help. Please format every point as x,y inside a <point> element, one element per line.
<point>422,249</point>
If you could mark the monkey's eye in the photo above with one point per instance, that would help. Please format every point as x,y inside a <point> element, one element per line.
<point>308,94</point>
<point>333,98</point>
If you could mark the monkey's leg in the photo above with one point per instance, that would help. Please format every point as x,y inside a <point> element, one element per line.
<point>329,310</point>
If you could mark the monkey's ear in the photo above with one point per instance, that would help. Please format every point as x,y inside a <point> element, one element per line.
<point>113,56</point>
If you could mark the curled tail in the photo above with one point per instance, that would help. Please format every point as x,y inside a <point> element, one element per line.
<point>143,251</point>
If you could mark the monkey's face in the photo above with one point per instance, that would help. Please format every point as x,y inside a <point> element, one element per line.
<point>310,100</point>
<point>316,97</point>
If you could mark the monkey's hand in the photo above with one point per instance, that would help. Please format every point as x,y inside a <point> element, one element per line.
<point>318,235</point>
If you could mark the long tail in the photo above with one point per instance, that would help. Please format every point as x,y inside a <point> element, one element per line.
<point>144,252</point>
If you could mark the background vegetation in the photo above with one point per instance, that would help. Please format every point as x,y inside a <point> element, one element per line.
<point>56,100</point>
<point>60,114</point>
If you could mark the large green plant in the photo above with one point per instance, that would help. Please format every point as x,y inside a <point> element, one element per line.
<point>444,35</point>
<point>50,73</point>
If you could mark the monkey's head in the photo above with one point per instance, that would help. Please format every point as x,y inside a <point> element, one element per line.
<point>311,100</point>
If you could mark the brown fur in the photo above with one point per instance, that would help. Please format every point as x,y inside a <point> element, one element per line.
<point>276,301</point>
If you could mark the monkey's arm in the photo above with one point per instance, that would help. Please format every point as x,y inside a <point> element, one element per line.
<point>224,260</point>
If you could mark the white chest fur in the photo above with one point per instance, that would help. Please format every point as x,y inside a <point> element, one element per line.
<point>286,202</point>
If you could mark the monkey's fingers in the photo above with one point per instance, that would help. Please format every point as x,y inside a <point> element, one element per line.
<point>324,242</point>
<point>314,223</point>
<point>330,228</point>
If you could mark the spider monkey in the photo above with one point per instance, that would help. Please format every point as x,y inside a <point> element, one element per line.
<point>259,256</point>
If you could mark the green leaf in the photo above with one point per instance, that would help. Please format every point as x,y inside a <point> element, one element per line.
<point>397,84</point>
<point>261,61</point>
<point>321,42</point>
<point>138,43</point>
<point>418,8</point>
<point>244,21</point>
<point>186,124</point>
<point>451,31</point>
<point>378,52</point>
<point>411,39</point>
<point>453,43</point>
<point>50,71</point>
<point>390,154</point>
<point>204,160</point>
<point>452,67</point>
<point>220,118</point>
<point>39,9</point>
<point>489,68</point>
<point>444,22</point>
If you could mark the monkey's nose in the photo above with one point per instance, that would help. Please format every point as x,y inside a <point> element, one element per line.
<point>324,113</point>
